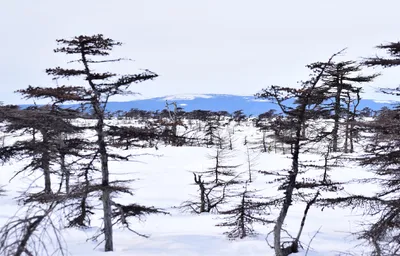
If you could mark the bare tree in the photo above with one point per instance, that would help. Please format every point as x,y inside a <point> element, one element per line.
<point>221,171</point>
<point>26,235</point>
<point>240,218</point>
<point>251,161</point>
<point>211,196</point>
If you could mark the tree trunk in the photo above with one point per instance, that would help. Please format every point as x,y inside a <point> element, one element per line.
<point>288,193</point>
<point>66,172</point>
<point>264,143</point>
<point>351,138</point>
<point>303,131</point>
<point>46,163</point>
<point>217,166</point>
<point>202,198</point>
<point>347,129</point>
<point>336,117</point>
<point>80,220</point>
<point>353,119</point>
<point>303,220</point>
<point>242,221</point>
<point>108,232</point>
<point>106,199</point>
<point>198,181</point>
<point>249,163</point>
<point>30,229</point>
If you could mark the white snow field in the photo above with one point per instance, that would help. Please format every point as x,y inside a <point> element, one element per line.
<point>164,179</point>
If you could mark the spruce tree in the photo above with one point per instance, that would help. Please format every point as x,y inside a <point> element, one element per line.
<point>91,51</point>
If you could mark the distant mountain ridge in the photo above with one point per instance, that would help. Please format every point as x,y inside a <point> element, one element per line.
<point>216,102</point>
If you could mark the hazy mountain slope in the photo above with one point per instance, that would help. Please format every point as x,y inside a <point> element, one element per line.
<point>215,102</point>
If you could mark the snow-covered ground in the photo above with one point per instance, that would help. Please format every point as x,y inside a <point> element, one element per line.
<point>163,178</point>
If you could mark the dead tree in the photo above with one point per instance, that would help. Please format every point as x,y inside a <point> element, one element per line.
<point>27,235</point>
<point>221,171</point>
<point>251,161</point>
<point>211,196</point>
<point>240,218</point>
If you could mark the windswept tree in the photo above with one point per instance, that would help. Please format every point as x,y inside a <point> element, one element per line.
<point>393,49</point>
<point>44,151</point>
<point>307,99</point>
<point>100,87</point>
<point>52,139</point>
<point>339,81</point>
<point>382,158</point>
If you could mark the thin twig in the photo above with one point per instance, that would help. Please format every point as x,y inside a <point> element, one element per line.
<point>312,238</point>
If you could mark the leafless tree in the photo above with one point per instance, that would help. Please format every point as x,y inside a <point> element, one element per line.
<point>240,218</point>
<point>220,170</point>
<point>211,196</point>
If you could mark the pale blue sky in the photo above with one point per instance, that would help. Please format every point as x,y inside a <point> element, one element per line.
<point>207,46</point>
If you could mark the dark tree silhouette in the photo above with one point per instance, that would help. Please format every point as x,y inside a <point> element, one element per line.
<point>306,99</point>
<point>51,123</point>
<point>100,87</point>
<point>211,132</point>
<point>382,158</point>
<point>339,79</point>
<point>393,49</point>
<point>238,116</point>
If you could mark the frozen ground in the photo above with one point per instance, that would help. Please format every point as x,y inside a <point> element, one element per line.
<point>164,179</point>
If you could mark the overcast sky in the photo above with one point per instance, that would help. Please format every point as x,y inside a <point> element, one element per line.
<point>204,46</point>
